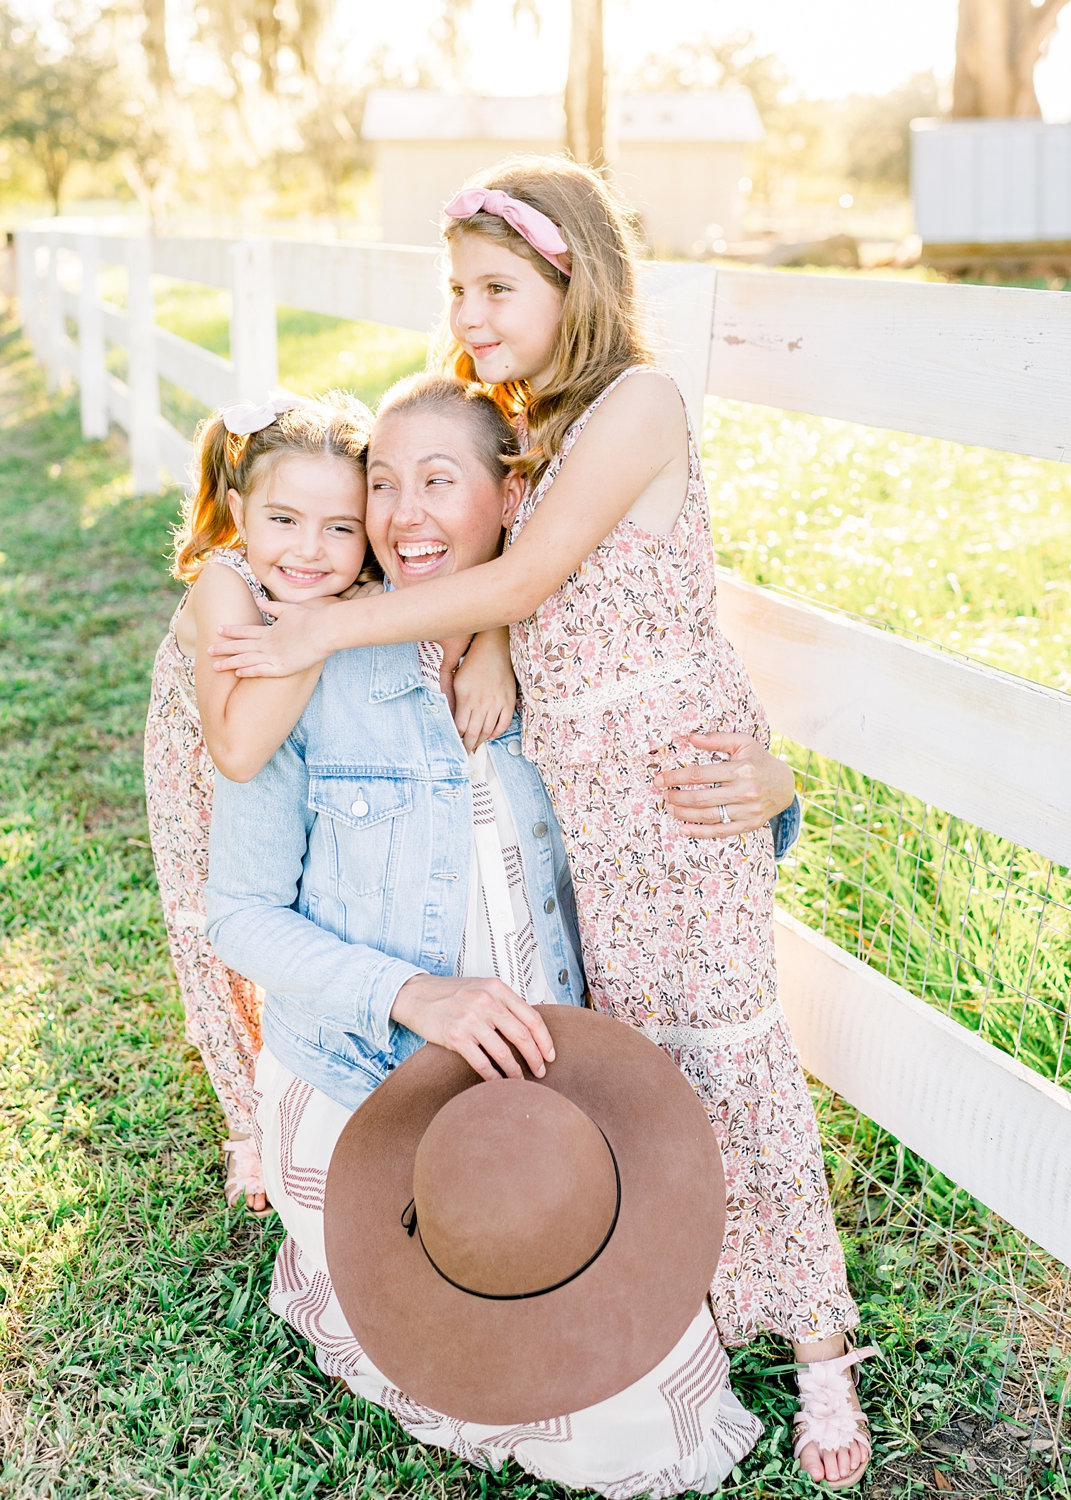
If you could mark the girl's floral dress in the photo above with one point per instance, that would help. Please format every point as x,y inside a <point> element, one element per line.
<point>615,669</point>
<point>222,1008</point>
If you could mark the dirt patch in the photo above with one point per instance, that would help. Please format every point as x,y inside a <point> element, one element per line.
<point>970,1457</point>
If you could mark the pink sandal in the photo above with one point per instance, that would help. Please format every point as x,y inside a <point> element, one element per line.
<point>245,1175</point>
<point>827,1416</point>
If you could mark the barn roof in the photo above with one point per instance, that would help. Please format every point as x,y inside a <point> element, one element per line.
<point>428,114</point>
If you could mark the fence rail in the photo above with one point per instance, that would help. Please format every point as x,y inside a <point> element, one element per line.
<point>979,365</point>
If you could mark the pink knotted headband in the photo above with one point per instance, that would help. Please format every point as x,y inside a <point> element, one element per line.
<point>542,233</point>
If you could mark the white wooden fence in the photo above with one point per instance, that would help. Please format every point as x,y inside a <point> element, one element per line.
<point>989,366</point>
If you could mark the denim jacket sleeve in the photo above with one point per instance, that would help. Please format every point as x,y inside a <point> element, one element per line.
<point>258,844</point>
<point>786,828</point>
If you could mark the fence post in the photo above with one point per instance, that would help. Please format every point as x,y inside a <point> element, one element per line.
<point>26,267</point>
<point>92,372</point>
<point>680,304</point>
<point>57,371</point>
<point>254,347</point>
<point>141,374</point>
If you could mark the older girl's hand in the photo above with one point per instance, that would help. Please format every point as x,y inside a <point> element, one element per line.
<point>749,783</point>
<point>485,690</point>
<point>300,638</point>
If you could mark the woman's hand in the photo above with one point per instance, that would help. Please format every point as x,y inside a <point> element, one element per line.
<point>485,689</point>
<point>477,1018</point>
<point>300,638</point>
<point>747,781</point>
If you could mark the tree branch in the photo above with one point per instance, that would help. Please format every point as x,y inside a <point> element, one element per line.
<point>1036,23</point>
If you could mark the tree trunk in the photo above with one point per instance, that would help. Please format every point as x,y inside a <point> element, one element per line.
<point>154,44</point>
<point>54,166</point>
<point>998,46</point>
<point>585,87</point>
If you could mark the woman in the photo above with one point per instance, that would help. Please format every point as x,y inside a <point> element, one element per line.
<point>385,888</point>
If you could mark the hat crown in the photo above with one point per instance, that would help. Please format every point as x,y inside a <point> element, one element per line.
<point>515,1189</point>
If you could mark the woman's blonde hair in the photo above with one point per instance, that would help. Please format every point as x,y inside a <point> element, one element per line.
<point>337,424</point>
<point>601,331</point>
<point>493,435</point>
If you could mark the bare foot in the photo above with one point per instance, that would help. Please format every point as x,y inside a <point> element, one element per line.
<point>846,1462</point>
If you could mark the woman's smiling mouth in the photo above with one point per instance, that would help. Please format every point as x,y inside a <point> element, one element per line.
<point>417,558</point>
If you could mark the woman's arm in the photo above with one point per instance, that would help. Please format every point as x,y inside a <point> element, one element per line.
<point>258,844</point>
<point>751,784</point>
<point>636,435</point>
<point>244,723</point>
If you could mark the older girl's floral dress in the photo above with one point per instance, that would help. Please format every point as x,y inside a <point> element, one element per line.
<point>222,1008</point>
<point>615,669</point>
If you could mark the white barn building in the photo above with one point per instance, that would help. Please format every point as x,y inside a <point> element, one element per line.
<point>677,157</point>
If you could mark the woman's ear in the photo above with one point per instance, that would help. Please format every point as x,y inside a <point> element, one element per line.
<point>234,500</point>
<point>512,494</point>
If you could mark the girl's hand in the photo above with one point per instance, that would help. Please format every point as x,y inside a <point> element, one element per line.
<point>485,690</point>
<point>300,638</point>
<point>361,591</point>
<point>750,783</point>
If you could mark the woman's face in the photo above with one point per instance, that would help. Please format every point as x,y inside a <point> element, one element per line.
<point>433,506</point>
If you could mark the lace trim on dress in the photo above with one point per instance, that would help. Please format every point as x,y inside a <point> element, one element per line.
<point>595,698</point>
<point>235,559</point>
<point>698,1037</point>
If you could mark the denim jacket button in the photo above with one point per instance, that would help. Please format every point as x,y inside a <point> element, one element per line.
<point>514,747</point>
<point>549,904</point>
<point>540,830</point>
<point>359,808</point>
<point>563,976</point>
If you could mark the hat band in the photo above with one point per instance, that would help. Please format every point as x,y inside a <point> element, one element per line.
<point>409,1223</point>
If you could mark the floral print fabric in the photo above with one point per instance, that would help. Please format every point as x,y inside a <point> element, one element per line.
<point>222,1008</point>
<point>615,669</point>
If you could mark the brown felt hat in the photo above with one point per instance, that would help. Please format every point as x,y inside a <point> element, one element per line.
<point>512,1251</point>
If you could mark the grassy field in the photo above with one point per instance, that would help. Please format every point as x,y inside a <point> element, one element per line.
<point>138,1357</point>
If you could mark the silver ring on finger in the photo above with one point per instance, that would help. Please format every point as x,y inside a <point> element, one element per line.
<point>724,811</point>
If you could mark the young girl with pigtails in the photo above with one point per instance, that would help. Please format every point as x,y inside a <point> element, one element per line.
<point>608,586</point>
<point>276,515</point>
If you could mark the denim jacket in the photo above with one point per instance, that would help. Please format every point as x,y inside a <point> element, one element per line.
<point>786,828</point>
<point>342,869</point>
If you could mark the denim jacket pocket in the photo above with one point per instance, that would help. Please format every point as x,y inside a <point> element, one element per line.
<point>357,820</point>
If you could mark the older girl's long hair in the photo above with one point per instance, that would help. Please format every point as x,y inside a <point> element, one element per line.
<point>601,332</point>
<point>336,424</point>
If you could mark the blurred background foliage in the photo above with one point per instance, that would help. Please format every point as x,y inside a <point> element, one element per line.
<point>250,110</point>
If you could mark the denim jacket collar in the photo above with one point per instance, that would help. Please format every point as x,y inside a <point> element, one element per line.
<point>395,670</point>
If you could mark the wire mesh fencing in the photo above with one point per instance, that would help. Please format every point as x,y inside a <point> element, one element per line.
<point>980,928</point>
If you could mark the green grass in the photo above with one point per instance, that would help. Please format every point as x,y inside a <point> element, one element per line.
<point>138,1355</point>
<point>967,547</point>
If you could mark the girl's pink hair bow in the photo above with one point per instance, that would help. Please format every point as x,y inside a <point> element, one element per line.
<point>541,233</point>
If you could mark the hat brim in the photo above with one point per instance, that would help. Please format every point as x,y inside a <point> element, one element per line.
<point>502,1362</point>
